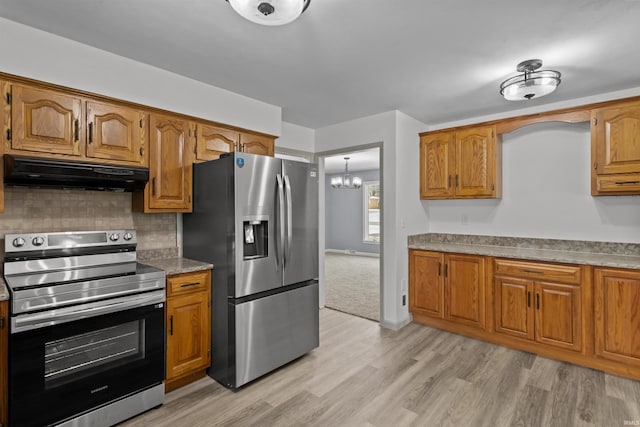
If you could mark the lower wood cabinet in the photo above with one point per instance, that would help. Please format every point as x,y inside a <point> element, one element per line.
<point>188,326</point>
<point>4,362</point>
<point>577,313</point>
<point>449,287</point>
<point>538,309</point>
<point>617,315</point>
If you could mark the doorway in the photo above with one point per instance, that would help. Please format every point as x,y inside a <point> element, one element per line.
<point>352,209</point>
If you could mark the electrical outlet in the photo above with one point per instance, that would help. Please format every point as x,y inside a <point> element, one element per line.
<point>404,300</point>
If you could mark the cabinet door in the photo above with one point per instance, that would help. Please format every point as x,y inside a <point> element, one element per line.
<point>558,315</point>
<point>212,141</point>
<point>45,121</point>
<point>437,166</point>
<point>617,315</point>
<point>170,163</point>
<point>476,162</point>
<point>115,133</point>
<point>464,289</point>
<point>4,362</point>
<point>616,137</point>
<point>513,313</point>
<point>187,333</point>
<point>426,283</point>
<point>257,144</point>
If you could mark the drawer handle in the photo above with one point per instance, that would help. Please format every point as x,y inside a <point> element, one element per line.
<point>627,182</point>
<point>186,285</point>
<point>533,271</point>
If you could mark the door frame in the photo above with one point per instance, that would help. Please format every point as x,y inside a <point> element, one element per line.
<point>319,159</point>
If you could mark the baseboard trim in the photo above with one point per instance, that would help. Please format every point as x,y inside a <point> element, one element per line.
<point>395,326</point>
<point>350,252</point>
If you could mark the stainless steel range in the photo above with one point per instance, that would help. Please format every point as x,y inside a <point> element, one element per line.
<point>86,343</point>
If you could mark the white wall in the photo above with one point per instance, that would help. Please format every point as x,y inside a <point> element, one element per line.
<point>372,129</point>
<point>402,211</point>
<point>36,54</point>
<point>296,137</point>
<point>546,193</point>
<point>412,215</point>
<point>344,213</point>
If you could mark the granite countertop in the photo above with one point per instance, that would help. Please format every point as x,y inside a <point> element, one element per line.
<point>606,254</point>
<point>176,265</point>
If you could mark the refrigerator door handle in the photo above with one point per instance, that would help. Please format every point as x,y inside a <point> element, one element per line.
<point>280,222</point>
<point>287,186</point>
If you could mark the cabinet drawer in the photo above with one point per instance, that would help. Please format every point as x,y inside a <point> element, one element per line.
<point>534,270</point>
<point>187,282</point>
<point>618,183</point>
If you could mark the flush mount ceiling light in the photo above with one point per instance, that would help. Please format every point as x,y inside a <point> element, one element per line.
<point>346,182</point>
<point>531,83</point>
<point>270,12</point>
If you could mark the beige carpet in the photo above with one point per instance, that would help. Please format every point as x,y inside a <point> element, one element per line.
<point>353,284</point>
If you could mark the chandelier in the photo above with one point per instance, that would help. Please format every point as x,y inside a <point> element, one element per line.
<point>531,83</point>
<point>270,12</point>
<point>344,181</point>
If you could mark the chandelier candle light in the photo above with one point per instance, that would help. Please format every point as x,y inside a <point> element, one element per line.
<point>270,12</point>
<point>345,182</point>
<point>531,83</point>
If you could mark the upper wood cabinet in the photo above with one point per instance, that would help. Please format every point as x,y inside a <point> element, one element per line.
<point>617,317</point>
<point>213,141</point>
<point>170,163</point>
<point>460,164</point>
<point>45,121</point>
<point>615,150</point>
<point>116,133</point>
<point>257,144</point>
<point>450,287</point>
<point>531,303</point>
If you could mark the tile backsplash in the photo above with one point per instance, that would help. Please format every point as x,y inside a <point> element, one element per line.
<point>41,210</point>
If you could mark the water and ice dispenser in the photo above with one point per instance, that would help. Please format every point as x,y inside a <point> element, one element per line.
<point>255,238</point>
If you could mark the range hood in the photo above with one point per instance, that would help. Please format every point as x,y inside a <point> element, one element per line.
<point>24,171</point>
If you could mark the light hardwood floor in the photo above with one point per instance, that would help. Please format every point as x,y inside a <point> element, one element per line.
<point>363,375</point>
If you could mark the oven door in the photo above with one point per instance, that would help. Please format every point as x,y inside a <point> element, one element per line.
<point>61,371</point>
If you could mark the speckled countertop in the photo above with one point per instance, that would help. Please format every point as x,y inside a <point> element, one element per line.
<point>607,254</point>
<point>176,265</point>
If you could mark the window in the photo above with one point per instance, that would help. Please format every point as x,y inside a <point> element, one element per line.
<point>371,191</point>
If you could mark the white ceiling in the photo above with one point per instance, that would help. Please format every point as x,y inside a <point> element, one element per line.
<point>358,161</point>
<point>342,59</point>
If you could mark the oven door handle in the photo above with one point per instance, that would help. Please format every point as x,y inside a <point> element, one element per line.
<point>43,319</point>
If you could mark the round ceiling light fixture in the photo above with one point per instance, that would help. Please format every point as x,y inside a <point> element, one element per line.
<point>270,12</point>
<point>531,83</point>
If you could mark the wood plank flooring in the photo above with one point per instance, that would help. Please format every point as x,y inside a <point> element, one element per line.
<point>363,375</point>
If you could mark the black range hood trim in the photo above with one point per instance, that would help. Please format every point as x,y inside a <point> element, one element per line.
<point>23,171</point>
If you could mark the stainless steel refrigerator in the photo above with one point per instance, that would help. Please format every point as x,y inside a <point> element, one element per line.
<point>255,218</point>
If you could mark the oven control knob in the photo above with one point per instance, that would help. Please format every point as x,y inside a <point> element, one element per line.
<point>18,242</point>
<point>114,237</point>
<point>128,236</point>
<point>38,241</point>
